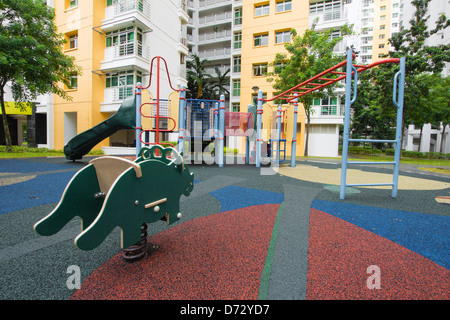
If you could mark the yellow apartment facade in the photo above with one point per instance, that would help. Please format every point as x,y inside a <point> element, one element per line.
<point>114,43</point>
<point>76,20</point>
<point>266,28</point>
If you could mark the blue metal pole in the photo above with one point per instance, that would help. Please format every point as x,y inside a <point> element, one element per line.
<point>278,135</point>
<point>138,99</point>
<point>259,112</point>
<point>398,131</point>
<point>181,120</point>
<point>221,128</point>
<point>247,141</point>
<point>348,94</point>
<point>294,134</point>
<point>216,132</point>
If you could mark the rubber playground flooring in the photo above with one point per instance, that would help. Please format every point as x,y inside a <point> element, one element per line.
<point>244,234</point>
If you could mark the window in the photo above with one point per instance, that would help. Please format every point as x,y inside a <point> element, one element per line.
<point>366,59</point>
<point>260,69</point>
<point>125,82</point>
<point>125,40</point>
<point>383,8</point>
<point>367,3</point>
<point>262,10</point>
<point>381,46</point>
<point>325,6</point>
<point>381,55</point>
<point>237,40</point>
<point>283,6</point>
<point>73,41</point>
<point>395,15</point>
<point>328,106</point>
<point>261,40</point>
<point>111,2</point>
<point>282,36</point>
<point>366,40</point>
<point>237,64</point>
<point>236,106</point>
<point>255,98</point>
<point>238,16</point>
<point>382,17</point>
<point>366,31</point>
<point>73,82</point>
<point>236,87</point>
<point>382,36</point>
<point>73,3</point>
<point>382,27</point>
<point>366,49</point>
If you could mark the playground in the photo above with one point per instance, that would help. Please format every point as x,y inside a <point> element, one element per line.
<point>168,225</point>
<point>243,235</point>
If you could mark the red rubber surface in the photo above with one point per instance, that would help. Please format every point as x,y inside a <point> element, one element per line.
<point>219,256</point>
<point>340,253</point>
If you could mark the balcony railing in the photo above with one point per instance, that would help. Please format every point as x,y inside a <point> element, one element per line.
<point>215,18</point>
<point>130,49</point>
<point>125,6</point>
<point>215,53</point>
<point>214,36</point>
<point>213,3</point>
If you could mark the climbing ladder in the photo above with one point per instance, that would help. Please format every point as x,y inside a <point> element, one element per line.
<point>399,80</point>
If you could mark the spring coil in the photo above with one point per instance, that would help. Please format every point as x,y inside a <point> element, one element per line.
<point>137,251</point>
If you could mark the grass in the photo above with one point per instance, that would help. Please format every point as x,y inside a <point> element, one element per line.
<point>405,160</point>
<point>382,158</point>
<point>436,170</point>
<point>25,152</point>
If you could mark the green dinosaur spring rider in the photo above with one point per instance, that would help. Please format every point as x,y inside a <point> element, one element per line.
<point>115,192</point>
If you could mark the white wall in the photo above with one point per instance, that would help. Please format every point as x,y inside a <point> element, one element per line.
<point>323,140</point>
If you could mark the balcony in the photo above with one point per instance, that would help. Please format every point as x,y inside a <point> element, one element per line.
<point>209,4</point>
<point>215,19</point>
<point>215,54</point>
<point>214,37</point>
<point>124,11</point>
<point>125,55</point>
<point>329,19</point>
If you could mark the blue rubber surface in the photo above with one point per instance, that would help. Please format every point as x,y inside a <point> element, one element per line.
<point>425,234</point>
<point>23,166</point>
<point>233,197</point>
<point>44,189</point>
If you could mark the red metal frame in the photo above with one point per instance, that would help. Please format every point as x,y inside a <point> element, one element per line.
<point>289,95</point>
<point>157,103</point>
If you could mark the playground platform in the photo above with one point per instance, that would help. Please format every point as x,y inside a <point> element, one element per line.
<point>243,236</point>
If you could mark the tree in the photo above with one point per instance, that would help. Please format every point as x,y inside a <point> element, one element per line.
<point>439,99</point>
<point>31,54</point>
<point>421,60</point>
<point>220,82</point>
<point>197,76</point>
<point>307,55</point>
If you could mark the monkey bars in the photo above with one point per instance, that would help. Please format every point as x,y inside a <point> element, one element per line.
<point>325,79</point>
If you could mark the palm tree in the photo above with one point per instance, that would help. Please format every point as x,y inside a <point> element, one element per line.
<point>221,81</point>
<point>197,75</point>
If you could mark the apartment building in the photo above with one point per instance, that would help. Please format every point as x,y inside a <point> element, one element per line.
<point>244,36</point>
<point>114,42</point>
<point>429,138</point>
